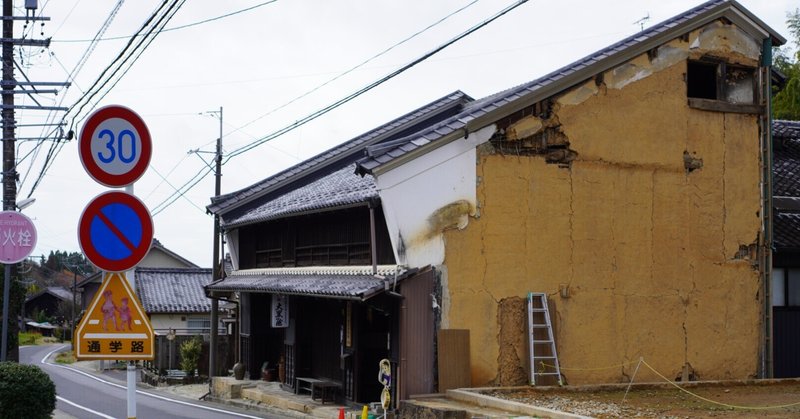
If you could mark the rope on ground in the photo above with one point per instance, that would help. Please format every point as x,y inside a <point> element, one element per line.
<point>733,406</point>
<point>591,369</point>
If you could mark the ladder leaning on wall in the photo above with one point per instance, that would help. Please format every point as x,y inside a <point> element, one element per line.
<point>541,345</point>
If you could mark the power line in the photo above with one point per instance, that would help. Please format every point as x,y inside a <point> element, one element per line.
<point>371,86</point>
<point>195,180</point>
<point>337,77</point>
<point>161,19</point>
<point>189,25</point>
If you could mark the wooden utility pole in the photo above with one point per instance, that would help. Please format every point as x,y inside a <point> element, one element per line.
<point>216,268</point>
<point>8,86</point>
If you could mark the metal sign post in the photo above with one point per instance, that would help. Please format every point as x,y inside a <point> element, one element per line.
<point>116,230</point>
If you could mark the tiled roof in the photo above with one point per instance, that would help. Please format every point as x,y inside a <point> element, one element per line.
<point>226,202</point>
<point>59,292</point>
<point>491,108</point>
<point>340,188</point>
<point>173,290</point>
<point>786,159</point>
<point>786,230</point>
<point>354,283</point>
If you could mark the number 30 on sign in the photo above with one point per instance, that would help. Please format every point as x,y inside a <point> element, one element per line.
<point>115,146</point>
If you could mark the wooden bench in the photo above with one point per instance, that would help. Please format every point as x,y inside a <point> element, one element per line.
<point>325,390</point>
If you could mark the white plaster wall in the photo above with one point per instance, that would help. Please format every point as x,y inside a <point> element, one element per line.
<point>161,323</point>
<point>412,193</point>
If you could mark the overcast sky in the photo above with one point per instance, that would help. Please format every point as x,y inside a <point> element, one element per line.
<point>255,62</point>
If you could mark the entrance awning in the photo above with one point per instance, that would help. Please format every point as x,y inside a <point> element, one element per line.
<point>346,283</point>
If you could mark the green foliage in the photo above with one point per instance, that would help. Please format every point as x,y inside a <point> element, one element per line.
<point>41,317</point>
<point>29,338</point>
<point>786,103</point>
<point>190,354</point>
<point>25,392</point>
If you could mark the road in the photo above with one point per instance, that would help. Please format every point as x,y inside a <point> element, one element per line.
<point>83,395</point>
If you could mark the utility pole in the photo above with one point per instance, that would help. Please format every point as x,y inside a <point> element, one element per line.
<point>8,86</point>
<point>216,268</point>
<point>9,169</point>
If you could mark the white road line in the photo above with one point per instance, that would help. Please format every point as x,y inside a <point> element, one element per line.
<point>84,408</point>
<point>155,396</point>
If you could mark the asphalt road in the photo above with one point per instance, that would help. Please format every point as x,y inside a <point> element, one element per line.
<point>84,395</point>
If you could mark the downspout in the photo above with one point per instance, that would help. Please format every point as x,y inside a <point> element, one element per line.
<point>372,235</point>
<point>765,259</point>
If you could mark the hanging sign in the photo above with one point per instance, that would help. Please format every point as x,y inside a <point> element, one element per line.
<point>280,311</point>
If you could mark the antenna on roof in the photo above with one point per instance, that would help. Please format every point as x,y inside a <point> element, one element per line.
<point>642,21</point>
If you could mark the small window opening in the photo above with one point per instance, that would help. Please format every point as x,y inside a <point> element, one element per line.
<point>701,80</point>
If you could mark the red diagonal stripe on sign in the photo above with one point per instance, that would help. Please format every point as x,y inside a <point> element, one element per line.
<point>117,232</point>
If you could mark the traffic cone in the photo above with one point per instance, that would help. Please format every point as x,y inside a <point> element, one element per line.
<point>341,413</point>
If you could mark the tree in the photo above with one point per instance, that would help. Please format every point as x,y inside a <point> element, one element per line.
<point>786,103</point>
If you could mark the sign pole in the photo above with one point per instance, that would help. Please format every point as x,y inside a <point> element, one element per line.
<point>118,159</point>
<point>131,389</point>
<point>131,370</point>
<point>6,292</point>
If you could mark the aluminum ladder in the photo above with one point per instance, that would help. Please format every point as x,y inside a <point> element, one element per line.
<point>541,345</point>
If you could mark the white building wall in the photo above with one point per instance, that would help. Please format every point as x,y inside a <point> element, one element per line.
<point>428,195</point>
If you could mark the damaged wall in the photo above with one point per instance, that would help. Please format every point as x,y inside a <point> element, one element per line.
<point>643,225</point>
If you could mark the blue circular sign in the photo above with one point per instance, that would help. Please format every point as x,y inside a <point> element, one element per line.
<point>115,231</point>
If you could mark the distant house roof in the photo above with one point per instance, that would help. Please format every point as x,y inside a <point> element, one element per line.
<point>339,189</point>
<point>484,112</point>
<point>348,283</point>
<point>173,290</point>
<point>59,292</point>
<point>344,154</point>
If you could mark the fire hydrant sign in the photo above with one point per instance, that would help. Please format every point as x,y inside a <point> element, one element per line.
<point>115,327</point>
<point>17,237</point>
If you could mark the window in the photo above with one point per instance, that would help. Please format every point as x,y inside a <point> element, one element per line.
<point>786,287</point>
<point>199,324</point>
<point>717,86</point>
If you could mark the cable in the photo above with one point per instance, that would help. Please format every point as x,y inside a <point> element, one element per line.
<point>177,27</point>
<point>357,66</point>
<point>193,181</point>
<point>161,19</point>
<point>371,86</point>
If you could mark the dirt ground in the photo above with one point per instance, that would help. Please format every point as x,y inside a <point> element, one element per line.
<point>730,400</point>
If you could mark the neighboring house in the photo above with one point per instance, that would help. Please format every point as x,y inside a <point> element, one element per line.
<point>158,257</point>
<point>629,186</point>
<point>47,301</point>
<point>786,260</point>
<point>314,270</point>
<point>174,299</point>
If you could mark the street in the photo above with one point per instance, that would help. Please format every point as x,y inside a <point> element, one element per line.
<point>83,395</point>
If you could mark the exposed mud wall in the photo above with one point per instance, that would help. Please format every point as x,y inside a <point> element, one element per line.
<point>643,227</point>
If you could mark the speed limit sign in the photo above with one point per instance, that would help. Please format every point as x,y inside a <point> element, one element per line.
<point>115,146</point>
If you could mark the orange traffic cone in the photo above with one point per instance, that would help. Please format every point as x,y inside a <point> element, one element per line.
<point>341,413</point>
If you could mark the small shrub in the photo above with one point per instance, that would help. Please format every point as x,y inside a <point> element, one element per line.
<point>29,338</point>
<point>190,354</point>
<point>25,392</point>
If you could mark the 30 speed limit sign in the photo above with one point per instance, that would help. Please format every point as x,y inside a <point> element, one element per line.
<point>115,146</point>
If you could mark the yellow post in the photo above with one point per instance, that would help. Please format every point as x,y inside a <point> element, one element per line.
<point>365,412</point>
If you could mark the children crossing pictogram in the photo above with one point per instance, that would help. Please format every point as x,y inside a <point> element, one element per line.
<point>115,325</point>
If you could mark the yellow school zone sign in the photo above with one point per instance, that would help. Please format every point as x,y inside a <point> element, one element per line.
<point>115,326</point>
